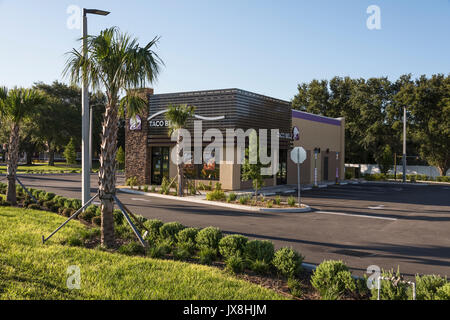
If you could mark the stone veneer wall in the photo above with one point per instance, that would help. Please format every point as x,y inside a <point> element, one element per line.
<point>137,151</point>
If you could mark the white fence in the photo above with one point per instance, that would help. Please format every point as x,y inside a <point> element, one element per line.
<point>373,168</point>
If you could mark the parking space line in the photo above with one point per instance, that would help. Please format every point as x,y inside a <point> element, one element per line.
<point>356,215</point>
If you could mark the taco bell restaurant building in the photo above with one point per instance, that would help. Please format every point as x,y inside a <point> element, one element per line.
<point>148,146</point>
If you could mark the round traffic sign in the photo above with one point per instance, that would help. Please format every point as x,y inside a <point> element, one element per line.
<point>298,155</point>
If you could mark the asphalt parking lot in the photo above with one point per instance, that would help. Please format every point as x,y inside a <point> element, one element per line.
<point>389,225</point>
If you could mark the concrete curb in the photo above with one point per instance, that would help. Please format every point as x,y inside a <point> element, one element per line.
<point>217,204</point>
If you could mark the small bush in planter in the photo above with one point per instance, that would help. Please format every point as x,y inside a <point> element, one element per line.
<point>332,279</point>
<point>157,251</point>
<point>291,201</point>
<point>124,232</point>
<point>235,264</point>
<point>244,199</point>
<point>132,248</point>
<point>443,293</point>
<point>232,197</point>
<point>181,253</point>
<point>153,227</point>
<point>207,255</point>
<point>145,188</point>
<point>390,291</point>
<point>209,238</point>
<point>232,245</point>
<point>288,262</point>
<point>269,204</point>
<point>259,250</point>
<point>260,266</point>
<point>277,200</point>
<point>187,236</point>
<point>295,287</point>
<point>215,195</point>
<point>428,285</point>
<point>170,230</point>
<point>67,212</point>
<point>49,196</point>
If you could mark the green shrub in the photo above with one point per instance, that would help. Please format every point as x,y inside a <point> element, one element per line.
<point>165,186</point>
<point>170,230</point>
<point>278,200</point>
<point>259,250</point>
<point>132,248</point>
<point>215,195</point>
<point>60,202</point>
<point>124,232</point>
<point>270,204</point>
<point>153,227</point>
<point>49,196</point>
<point>5,203</point>
<point>244,199</point>
<point>295,287</point>
<point>235,264</point>
<point>232,197</point>
<point>391,290</point>
<point>97,220</point>
<point>118,217</point>
<point>428,285</point>
<point>187,236</point>
<point>88,214</point>
<point>49,205</point>
<point>443,293</point>
<point>153,189</point>
<point>288,262</point>
<point>291,201</point>
<point>145,188</point>
<point>157,251</point>
<point>332,279</point>
<point>181,253</point>
<point>131,182</point>
<point>260,266</point>
<point>208,238</point>
<point>232,245</point>
<point>207,255</point>
<point>67,212</point>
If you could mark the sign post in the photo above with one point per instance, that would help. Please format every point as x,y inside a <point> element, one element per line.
<point>298,156</point>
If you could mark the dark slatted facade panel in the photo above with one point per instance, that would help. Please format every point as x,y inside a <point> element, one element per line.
<point>242,109</point>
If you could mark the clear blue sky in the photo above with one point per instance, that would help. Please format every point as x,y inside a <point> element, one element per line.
<point>263,46</point>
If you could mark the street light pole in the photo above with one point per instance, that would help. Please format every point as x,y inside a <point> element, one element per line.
<point>85,140</point>
<point>85,175</point>
<point>404,144</point>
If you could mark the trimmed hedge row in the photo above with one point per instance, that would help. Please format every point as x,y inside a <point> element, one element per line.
<point>410,177</point>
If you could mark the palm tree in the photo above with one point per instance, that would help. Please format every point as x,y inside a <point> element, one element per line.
<point>118,64</point>
<point>177,115</point>
<point>16,105</point>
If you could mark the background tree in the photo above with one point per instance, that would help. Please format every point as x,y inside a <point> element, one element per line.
<point>178,115</point>
<point>385,160</point>
<point>116,63</point>
<point>120,157</point>
<point>428,105</point>
<point>70,153</point>
<point>18,105</point>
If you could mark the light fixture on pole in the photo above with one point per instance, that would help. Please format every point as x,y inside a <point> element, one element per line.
<point>85,154</point>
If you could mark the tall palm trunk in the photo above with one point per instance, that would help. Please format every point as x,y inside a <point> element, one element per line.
<point>107,174</point>
<point>13,156</point>
<point>180,166</point>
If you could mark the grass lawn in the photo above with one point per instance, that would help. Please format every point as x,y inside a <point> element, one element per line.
<point>30,270</point>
